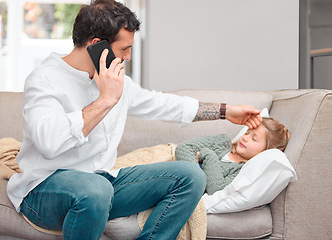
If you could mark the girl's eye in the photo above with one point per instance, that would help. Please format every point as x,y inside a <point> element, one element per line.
<point>254,139</point>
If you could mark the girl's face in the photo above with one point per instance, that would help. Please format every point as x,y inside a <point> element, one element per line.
<point>252,142</point>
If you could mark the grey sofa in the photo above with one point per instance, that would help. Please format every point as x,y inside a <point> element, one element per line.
<point>302,211</point>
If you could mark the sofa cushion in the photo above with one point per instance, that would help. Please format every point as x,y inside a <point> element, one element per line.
<point>123,228</point>
<point>250,224</point>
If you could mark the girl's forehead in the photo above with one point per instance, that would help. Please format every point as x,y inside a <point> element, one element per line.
<point>260,130</point>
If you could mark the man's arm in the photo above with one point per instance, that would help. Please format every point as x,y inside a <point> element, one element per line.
<point>110,84</point>
<point>207,111</point>
<point>94,113</point>
<point>238,114</point>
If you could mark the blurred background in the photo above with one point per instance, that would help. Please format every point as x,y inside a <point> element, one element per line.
<point>225,44</point>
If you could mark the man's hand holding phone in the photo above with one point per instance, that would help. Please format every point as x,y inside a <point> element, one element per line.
<point>110,80</point>
<point>109,72</point>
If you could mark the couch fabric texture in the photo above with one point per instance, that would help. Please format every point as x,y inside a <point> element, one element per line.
<point>302,211</point>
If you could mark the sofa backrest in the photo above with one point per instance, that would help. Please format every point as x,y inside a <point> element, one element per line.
<point>11,120</point>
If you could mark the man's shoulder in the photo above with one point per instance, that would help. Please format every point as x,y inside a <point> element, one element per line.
<point>45,68</point>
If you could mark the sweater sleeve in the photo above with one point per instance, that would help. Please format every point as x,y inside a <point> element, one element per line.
<point>218,174</point>
<point>186,151</point>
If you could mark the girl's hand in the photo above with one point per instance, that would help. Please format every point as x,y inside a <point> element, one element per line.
<point>197,156</point>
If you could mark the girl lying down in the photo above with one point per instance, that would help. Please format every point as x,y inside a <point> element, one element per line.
<point>222,160</point>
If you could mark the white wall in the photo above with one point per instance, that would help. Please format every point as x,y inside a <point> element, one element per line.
<point>228,44</point>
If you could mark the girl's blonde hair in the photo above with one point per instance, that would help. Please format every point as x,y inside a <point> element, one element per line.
<point>277,135</point>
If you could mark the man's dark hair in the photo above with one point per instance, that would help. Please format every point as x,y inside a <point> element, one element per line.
<point>102,19</point>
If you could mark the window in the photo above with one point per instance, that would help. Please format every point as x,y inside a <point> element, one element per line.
<point>3,24</point>
<point>31,30</point>
<point>49,21</point>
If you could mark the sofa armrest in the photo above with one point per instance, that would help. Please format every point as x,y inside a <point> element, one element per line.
<point>304,209</point>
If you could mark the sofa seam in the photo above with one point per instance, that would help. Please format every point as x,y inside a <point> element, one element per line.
<point>244,238</point>
<point>303,94</point>
<point>1,204</point>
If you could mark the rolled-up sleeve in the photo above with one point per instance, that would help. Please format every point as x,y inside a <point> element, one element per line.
<point>190,109</point>
<point>76,127</point>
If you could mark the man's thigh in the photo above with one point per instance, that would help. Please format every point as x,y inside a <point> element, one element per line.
<point>48,204</point>
<point>142,187</point>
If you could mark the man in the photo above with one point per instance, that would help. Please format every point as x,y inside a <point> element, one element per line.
<point>73,123</point>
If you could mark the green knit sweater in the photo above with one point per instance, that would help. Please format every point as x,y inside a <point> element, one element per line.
<point>212,149</point>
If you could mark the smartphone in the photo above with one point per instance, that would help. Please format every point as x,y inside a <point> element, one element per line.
<point>95,51</point>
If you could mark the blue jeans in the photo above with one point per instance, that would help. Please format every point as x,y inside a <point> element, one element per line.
<point>80,203</point>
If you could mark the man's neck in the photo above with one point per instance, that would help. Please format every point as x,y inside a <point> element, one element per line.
<point>80,60</point>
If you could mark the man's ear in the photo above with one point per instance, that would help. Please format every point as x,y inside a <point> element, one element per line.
<point>94,40</point>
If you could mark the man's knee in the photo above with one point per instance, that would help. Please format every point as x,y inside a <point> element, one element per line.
<point>195,176</point>
<point>97,196</point>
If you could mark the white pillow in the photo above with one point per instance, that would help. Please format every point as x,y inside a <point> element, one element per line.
<point>264,113</point>
<point>259,181</point>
